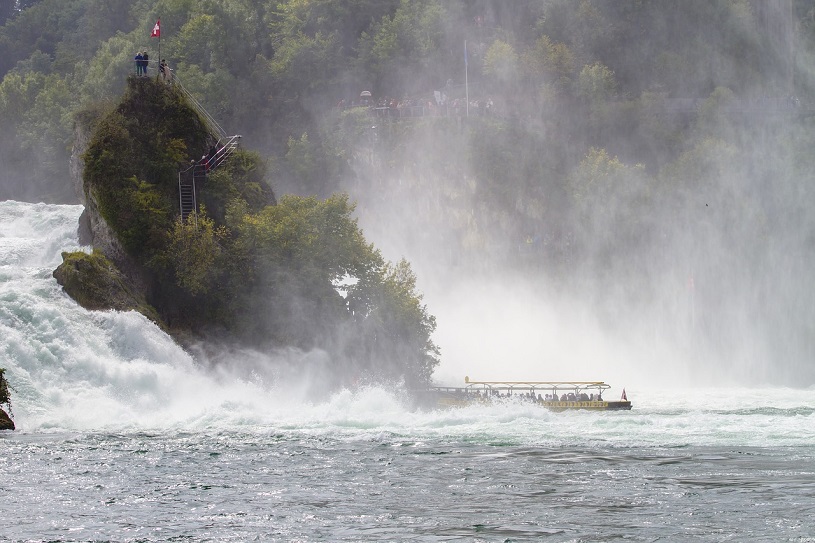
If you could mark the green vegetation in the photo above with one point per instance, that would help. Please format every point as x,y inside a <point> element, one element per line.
<point>631,145</point>
<point>133,159</point>
<point>95,283</point>
<point>263,273</point>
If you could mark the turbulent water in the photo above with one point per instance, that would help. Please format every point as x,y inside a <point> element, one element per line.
<point>122,436</point>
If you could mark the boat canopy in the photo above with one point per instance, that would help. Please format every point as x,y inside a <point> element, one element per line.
<point>555,386</point>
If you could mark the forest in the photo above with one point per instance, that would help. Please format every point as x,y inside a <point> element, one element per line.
<point>649,155</point>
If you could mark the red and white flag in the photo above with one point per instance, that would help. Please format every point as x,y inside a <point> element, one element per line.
<point>156,30</point>
<point>624,398</point>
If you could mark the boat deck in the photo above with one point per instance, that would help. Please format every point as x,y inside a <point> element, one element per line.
<point>553,395</point>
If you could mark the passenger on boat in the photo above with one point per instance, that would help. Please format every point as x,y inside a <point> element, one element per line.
<point>564,397</point>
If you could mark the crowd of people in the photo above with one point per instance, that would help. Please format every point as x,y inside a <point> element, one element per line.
<point>531,396</point>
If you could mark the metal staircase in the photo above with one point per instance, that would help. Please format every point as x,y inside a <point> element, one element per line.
<point>186,192</point>
<point>191,180</point>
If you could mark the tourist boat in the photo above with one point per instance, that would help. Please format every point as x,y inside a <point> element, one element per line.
<point>554,395</point>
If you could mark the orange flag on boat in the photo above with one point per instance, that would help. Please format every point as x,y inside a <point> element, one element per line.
<point>624,398</point>
<point>156,30</point>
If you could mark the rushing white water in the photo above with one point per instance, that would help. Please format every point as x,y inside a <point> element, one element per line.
<point>73,369</point>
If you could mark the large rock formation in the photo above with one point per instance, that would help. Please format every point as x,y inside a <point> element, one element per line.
<point>124,166</point>
<point>5,421</point>
<point>93,229</point>
<point>243,270</point>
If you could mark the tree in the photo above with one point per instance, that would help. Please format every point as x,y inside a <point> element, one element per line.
<point>7,10</point>
<point>611,203</point>
<point>551,64</point>
<point>596,83</point>
<point>501,62</point>
<point>196,249</point>
<point>397,327</point>
<point>401,52</point>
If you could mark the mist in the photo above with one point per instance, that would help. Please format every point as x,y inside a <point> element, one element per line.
<point>633,205</point>
<point>675,260</point>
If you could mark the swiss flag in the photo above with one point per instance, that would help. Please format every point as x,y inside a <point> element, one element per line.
<point>156,30</point>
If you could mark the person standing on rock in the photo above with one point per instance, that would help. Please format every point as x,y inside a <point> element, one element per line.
<point>146,59</point>
<point>139,59</point>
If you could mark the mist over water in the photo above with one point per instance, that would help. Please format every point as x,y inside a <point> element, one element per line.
<point>715,300</point>
<point>73,369</point>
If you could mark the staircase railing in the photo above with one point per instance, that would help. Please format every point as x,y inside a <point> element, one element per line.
<point>210,121</point>
<point>224,152</point>
<point>190,179</point>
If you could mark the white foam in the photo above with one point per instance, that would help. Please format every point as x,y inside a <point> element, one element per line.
<point>74,369</point>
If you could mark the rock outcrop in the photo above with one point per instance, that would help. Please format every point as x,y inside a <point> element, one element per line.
<point>5,421</point>
<point>93,230</point>
<point>95,283</point>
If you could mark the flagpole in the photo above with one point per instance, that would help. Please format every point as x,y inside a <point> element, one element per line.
<point>156,33</point>
<point>466,80</point>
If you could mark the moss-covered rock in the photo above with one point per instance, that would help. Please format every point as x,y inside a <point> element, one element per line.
<point>127,160</point>
<point>95,283</point>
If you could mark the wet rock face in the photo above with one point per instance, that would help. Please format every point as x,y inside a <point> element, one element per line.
<point>5,421</point>
<point>95,283</point>
<point>5,399</point>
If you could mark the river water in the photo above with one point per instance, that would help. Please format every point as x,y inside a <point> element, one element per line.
<point>122,436</point>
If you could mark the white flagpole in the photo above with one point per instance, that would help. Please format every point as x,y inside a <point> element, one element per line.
<point>466,80</point>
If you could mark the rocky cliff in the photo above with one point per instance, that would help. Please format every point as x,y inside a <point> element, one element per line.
<point>124,167</point>
<point>107,278</point>
<point>5,421</point>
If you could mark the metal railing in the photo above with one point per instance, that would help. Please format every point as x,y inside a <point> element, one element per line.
<point>187,178</point>
<point>209,120</point>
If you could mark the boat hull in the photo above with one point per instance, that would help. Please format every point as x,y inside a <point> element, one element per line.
<point>447,399</point>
